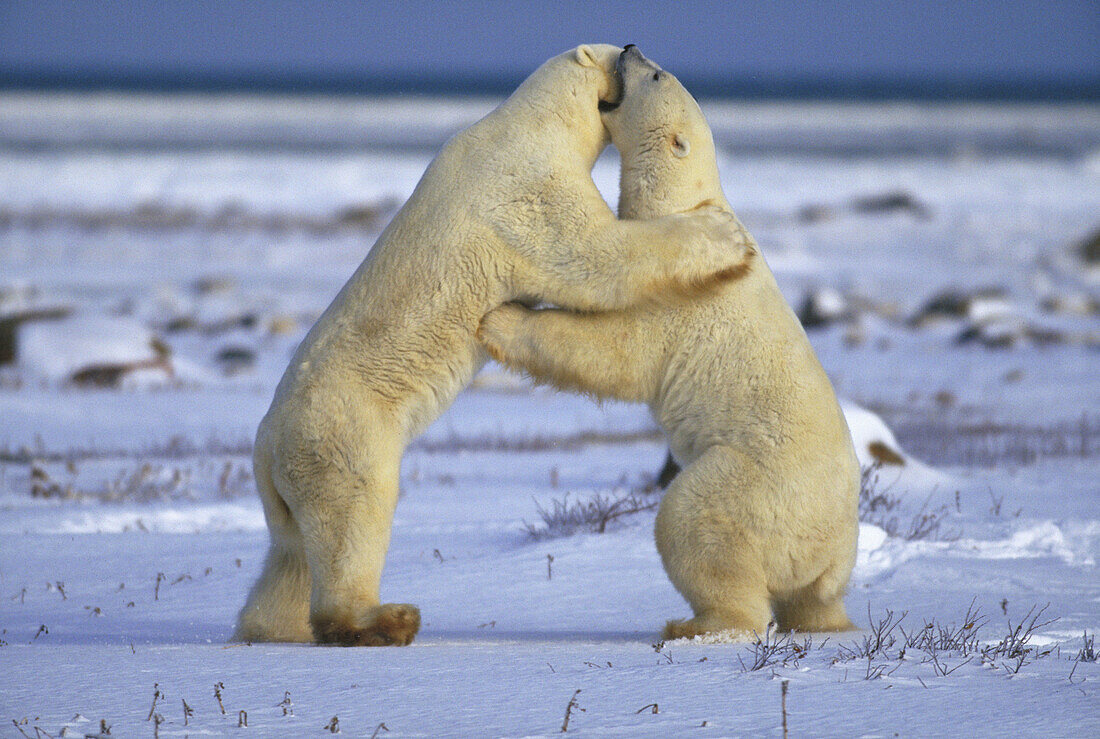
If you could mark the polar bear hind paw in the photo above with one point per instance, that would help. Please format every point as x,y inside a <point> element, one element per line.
<point>731,630</point>
<point>390,624</point>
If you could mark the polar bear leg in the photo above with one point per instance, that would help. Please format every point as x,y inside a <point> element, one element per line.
<point>817,607</point>
<point>346,539</point>
<point>277,608</point>
<point>599,353</point>
<point>709,550</point>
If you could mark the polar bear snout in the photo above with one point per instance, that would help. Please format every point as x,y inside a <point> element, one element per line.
<point>632,68</point>
<point>631,56</point>
<point>618,78</point>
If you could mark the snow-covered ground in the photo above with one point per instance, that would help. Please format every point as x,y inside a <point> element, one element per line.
<point>155,275</point>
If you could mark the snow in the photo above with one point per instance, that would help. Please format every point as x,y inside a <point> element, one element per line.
<point>146,534</point>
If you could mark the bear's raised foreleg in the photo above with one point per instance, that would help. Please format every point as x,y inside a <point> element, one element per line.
<point>622,264</point>
<point>599,353</point>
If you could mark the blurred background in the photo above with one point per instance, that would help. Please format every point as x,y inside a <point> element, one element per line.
<point>185,186</point>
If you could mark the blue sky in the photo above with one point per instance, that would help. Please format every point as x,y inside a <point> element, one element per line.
<point>758,43</point>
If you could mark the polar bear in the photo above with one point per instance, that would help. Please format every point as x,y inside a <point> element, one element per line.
<point>762,521</point>
<point>506,211</point>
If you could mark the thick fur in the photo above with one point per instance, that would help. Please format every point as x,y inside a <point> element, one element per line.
<point>507,211</point>
<point>762,521</point>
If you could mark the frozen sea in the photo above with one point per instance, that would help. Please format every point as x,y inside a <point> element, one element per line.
<point>182,245</point>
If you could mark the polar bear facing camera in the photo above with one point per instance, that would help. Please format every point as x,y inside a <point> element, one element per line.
<point>506,211</point>
<point>762,521</point>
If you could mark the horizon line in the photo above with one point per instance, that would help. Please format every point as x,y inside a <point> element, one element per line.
<point>802,87</point>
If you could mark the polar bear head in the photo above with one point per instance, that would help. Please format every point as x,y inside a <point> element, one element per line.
<point>668,157</point>
<point>568,92</point>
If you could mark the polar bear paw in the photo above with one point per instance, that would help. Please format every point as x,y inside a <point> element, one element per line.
<point>390,624</point>
<point>732,626</point>
<point>721,247</point>
<point>498,328</point>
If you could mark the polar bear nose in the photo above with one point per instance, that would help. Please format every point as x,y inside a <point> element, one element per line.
<point>631,53</point>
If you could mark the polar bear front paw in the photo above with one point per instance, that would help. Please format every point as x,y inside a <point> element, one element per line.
<point>390,624</point>
<point>721,249</point>
<point>497,329</point>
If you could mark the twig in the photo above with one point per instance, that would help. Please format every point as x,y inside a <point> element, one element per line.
<point>569,710</point>
<point>783,703</point>
<point>218,688</point>
<point>157,695</point>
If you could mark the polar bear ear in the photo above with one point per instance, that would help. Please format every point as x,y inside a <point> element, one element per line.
<point>585,56</point>
<point>681,147</point>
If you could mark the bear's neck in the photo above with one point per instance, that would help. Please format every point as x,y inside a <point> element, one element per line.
<point>647,192</point>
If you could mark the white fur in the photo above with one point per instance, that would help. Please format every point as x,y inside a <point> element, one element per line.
<point>762,520</point>
<point>506,211</point>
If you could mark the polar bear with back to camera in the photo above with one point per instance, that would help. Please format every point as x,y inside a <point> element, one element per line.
<point>506,211</point>
<point>762,521</point>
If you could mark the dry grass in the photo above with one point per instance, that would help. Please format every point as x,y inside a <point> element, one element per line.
<point>959,442</point>
<point>142,481</point>
<point>175,447</point>
<point>880,507</point>
<point>565,517</point>
<point>947,647</point>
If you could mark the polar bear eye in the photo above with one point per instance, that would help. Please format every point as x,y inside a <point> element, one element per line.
<point>656,75</point>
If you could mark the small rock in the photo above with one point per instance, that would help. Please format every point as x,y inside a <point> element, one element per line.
<point>214,285</point>
<point>236,359</point>
<point>993,334</point>
<point>979,306</point>
<point>884,455</point>
<point>9,328</point>
<point>1089,248</point>
<point>109,375</point>
<point>97,351</point>
<point>360,216</point>
<point>181,323</point>
<point>891,202</point>
<point>1046,336</point>
<point>874,442</point>
<point>822,307</point>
